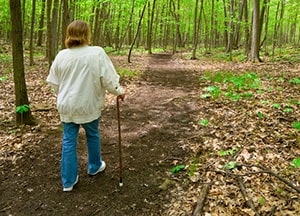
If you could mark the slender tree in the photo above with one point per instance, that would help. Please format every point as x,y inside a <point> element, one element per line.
<point>18,63</point>
<point>137,31</point>
<point>32,31</point>
<point>254,53</point>
<point>41,24</point>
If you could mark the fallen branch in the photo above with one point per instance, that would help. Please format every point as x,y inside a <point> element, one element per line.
<point>263,170</point>
<point>248,201</point>
<point>200,203</point>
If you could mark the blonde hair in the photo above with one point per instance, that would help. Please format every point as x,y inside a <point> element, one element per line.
<point>78,34</point>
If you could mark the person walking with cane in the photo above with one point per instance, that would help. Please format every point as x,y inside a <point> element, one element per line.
<point>80,76</point>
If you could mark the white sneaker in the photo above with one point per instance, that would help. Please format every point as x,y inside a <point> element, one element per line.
<point>101,168</point>
<point>71,188</point>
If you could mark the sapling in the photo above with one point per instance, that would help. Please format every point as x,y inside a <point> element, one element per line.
<point>22,109</point>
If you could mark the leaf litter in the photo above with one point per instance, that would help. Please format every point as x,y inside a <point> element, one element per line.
<point>233,135</point>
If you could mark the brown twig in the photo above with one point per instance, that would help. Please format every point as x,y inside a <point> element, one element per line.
<point>248,201</point>
<point>262,171</point>
<point>200,203</point>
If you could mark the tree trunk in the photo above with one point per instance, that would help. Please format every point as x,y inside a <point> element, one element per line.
<point>254,53</point>
<point>65,21</point>
<point>247,31</point>
<point>18,63</point>
<point>195,36</point>
<point>31,32</point>
<point>48,43</point>
<point>231,29</point>
<point>41,24</point>
<point>137,31</point>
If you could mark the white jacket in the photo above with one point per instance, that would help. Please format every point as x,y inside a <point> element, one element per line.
<point>80,77</point>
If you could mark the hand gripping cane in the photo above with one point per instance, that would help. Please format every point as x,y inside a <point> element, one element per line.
<point>120,147</point>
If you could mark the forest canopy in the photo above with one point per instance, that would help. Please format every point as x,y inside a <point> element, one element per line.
<point>166,24</point>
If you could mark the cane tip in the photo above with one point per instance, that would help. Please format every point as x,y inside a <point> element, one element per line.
<point>121,184</point>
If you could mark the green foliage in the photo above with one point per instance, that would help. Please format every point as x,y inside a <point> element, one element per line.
<point>5,58</point>
<point>262,200</point>
<point>203,122</point>
<point>3,78</point>
<point>235,85</point>
<point>244,81</point>
<point>124,72</point>
<point>276,105</point>
<point>296,125</point>
<point>296,162</point>
<point>177,168</point>
<point>288,109</point>
<point>22,109</point>
<point>260,115</point>
<point>233,96</point>
<point>230,152</point>
<point>295,80</point>
<point>230,165</point>
<point>212,91</point>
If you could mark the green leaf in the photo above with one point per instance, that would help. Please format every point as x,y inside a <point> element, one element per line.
<point>288,109</point>
<point>222,153</point>
<point>213,90</point>
<point>260,115</point>
<point>22,109</point>
<point>276,106</point>
<point>296,162</point>
<point>295,80</point>
<point>3,78</point>
<point>203,122</point>
<point>230,165</point>
<point>227,152</point>
<point>261,200</point>
<point>177,169</point>
<point>296,125</point>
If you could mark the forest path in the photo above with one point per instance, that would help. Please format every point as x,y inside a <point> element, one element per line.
<point>156,116</point>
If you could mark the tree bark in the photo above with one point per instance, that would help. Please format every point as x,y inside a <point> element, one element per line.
<point>21,97</point>
<point>31,32</point>
<point>254,53</point>
<point>41,24</point>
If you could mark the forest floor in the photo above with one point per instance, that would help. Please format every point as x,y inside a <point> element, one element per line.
<point>186,148</point>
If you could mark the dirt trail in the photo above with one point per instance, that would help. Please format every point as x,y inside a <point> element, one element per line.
<point>155,118</point>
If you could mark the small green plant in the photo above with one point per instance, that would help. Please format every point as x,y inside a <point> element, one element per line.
<point>203,122</point>
<point>244,81</point>
<point>233,96</point>
<point>124,72</point>
<point>22,108</point>
<point>280,79</point>
<point>3,78</point>
<point>260,115</point>
<point>230,152</point>
<point>295,80</point>
<point>230,165</point>
<point>177,168</point>
<point>288,109</point>
<point>213,91</point>
<point>276,105</point>
<point>296,162</point>
<point>265,102</point>
<point>296,125</point>
<point>262,200</point>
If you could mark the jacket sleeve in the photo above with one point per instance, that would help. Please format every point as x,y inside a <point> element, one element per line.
<point>110,79</point>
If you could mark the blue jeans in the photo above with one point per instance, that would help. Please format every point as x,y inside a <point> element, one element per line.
<point>69,160</point>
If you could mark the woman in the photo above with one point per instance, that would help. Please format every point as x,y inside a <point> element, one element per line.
<point>80,76</point>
